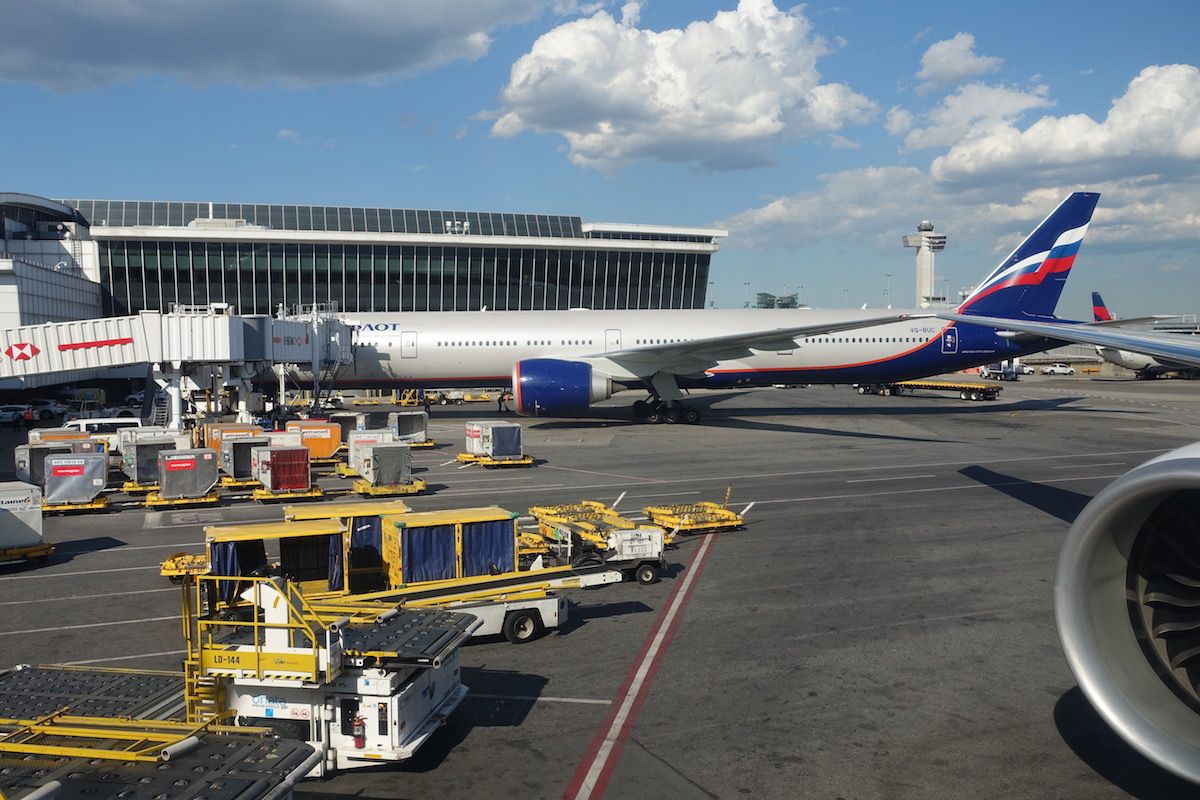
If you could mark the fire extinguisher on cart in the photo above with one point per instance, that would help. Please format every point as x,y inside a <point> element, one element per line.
<point>359,731</point>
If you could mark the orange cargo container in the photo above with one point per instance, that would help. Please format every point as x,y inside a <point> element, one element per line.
<point>56,435</point>
<point>215,432</point>
<point>320,437</point>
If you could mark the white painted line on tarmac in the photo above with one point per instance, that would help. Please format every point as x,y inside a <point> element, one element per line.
<point>538,488</point>
<point>602,474</point>
<point>817,498</point>
<point>47,576</point>
<point>90,625</point>
<point>1081,466</point>
<point>85,596</point>
<point>538,699</point>
<point>126,548</point>
<point>894,478</point>
<point>124,658</point>
<point>657,494</point>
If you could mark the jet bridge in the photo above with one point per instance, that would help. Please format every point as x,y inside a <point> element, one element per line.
<point>185,349</point>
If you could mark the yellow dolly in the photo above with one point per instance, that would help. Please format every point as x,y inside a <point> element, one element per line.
<point>156,500</point>
<point>98,504</point>
<point>342,470</point>
<point>488,461</point>
<point>702,517</point>
<point>267,496</point>
<point>40,553</point>
<point>228,482</point>
<point>364,487</point>
<point>130,487</point>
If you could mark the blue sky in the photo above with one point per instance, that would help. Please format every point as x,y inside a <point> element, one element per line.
<point>817,135</point>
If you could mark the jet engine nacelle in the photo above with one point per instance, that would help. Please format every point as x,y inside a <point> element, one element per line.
<point>1127,601</point>
<point>548,386</point>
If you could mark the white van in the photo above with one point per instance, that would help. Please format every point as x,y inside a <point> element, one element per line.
<point>104,428</point>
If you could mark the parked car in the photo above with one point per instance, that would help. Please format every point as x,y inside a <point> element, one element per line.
<point>12,412</point>
<point>47,409</point>
<point>1058,369</point>
<point>104,427</point>
<point>1025,369</point>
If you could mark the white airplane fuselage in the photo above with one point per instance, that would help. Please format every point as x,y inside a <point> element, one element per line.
<point>442,349</point>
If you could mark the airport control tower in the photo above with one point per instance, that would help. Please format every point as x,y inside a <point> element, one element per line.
<point>927,243</point>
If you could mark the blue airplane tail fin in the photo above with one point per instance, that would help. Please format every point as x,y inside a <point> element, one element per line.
<point>1099,310</point>
<point>1029,282</point>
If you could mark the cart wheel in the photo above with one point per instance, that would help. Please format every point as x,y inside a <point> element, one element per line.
<point>443,401</point>
<point>690,415</point>
<point>522,626</point>
<point>974,395</point>
<point>862,390</point>
<point>886,391</point>
<point>458,401</point>
<point>963,395</point>
<point>646,574</point>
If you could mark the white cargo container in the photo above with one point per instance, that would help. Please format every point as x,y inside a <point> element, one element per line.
<point>186,474</point>
<point>20,516</point>
<point>494,439</point>
<point>409,426</point>
<point>285,438</point>
<point>358,439</point>
<point>388,464</point>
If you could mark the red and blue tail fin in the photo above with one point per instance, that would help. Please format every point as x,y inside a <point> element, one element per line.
<point>1099,310</point>
<point>1028,283</point>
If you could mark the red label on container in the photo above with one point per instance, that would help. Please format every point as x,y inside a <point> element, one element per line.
<point>65,470</point>
<point>180,464</point>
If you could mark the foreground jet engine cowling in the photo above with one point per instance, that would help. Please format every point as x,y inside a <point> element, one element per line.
<point>1127,601</point>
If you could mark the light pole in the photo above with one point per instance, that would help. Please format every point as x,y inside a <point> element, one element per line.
<point>887,290</point>
<point>711,302</point>
<point>845,298</point>
<point>746,303</point>
<point>801,298</point>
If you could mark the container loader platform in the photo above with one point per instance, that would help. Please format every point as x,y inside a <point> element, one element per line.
<point>964,389</point>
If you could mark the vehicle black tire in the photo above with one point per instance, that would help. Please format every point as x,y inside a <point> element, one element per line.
<point>523,625</point>
<point>691,416</point>
<point>458,401</point>
<point>974,395</point>
<point>654,415</point>
<point>646,574</point>
<point>963,395</point>
<point>443,401</point>
<point>886,391</point>
<point>671,415</point>
<point>862,390</point>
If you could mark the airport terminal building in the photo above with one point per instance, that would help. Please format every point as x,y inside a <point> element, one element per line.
<point>117,257</point>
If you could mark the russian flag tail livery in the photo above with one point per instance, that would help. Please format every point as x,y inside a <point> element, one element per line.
<point>1029,282</point>
<point>1099,310</point>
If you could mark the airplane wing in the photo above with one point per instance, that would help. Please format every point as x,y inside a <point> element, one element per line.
<point>694,356</point>
<point>1121,323</point>
<point>1166,346</point>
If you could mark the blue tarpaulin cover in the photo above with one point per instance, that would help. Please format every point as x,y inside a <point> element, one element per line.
<point>488,547</point>
<point>366,543</point>
<point>427,553</point>
<point>236,558</point>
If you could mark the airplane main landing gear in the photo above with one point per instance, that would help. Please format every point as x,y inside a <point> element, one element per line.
<point>655,411</point>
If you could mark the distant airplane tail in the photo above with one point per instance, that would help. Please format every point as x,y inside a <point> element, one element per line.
<point>1099,310</point>
<point>1029,282</point>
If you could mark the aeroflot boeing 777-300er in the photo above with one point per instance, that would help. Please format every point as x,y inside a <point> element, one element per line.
<point>560,362</point>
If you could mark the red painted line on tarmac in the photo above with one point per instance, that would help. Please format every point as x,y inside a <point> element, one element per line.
<point>594,772</point>
<point>98,343</point>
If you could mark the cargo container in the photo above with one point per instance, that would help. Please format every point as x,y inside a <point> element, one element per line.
<point>139,462</point>
<point>441,545</point>
<point>182,439</point>
<point>21,522</point>
<point>349,421</point>
<point>409,426</point>
<point>55,435</point>
<point>216,432</point>
<point>385,464</point>
<point>29,460</point>
<point>235,455</point>
<point>494,439</point>
<point>281,469</point>
<point>186,474</point>
<point>321,437</point>
<point>285,439</point>
<point>358,439</point>
<point>75,478</point>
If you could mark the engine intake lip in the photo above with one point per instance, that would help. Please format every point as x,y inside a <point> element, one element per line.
<point>1099,621</point>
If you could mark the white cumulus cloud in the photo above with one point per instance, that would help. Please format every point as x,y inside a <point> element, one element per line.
<point>719,92</point>
<point>1153,128</point>
<point>952,61</point>
<point>972,110</point>
<point>68,45</point>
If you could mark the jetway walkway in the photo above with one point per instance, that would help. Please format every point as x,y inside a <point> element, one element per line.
<point>185,343</point>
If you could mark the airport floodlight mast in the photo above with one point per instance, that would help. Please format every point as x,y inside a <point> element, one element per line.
<point>927,243</point>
